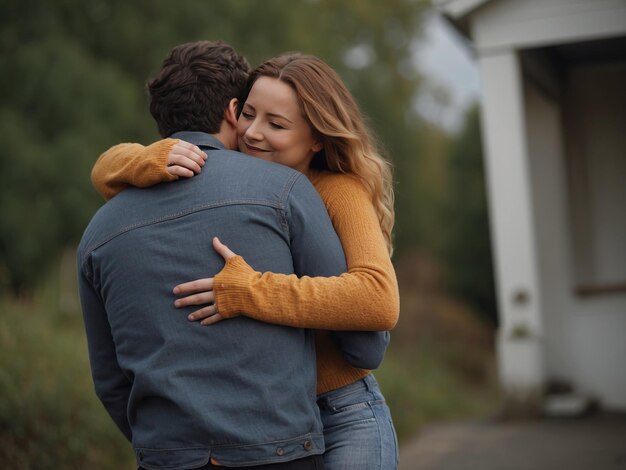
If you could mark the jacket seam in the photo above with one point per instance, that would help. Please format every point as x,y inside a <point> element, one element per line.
<point>289,184</point>
<point>232,202</point>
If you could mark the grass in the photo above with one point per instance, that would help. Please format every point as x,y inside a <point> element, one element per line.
<point>439,367</point>
<point>425,385</point>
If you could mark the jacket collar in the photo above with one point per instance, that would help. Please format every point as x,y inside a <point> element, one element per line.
<point>201,139</point>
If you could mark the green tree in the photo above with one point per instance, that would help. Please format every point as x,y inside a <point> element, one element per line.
<point>467,248</point>
<point>75,86</point>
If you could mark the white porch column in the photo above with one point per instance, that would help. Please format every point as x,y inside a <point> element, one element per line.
<point>520,352</point>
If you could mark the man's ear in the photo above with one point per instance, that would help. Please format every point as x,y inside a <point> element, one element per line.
<point>230,115</point>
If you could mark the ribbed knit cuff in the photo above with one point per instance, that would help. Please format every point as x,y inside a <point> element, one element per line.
<point>160,150</point>
<point>232,287</point>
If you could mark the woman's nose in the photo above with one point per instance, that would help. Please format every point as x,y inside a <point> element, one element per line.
<point>253,132</point>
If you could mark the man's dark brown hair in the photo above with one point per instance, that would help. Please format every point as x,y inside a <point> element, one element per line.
<point>195,85</point>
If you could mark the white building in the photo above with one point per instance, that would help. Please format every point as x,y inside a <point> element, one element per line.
<point>553,74</point>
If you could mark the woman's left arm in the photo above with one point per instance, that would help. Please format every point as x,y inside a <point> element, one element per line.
<point>126,165</point>
<point>353,215</point>
<point>370,284</point>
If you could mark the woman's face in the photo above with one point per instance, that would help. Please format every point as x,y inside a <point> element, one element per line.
<point>272,127</point>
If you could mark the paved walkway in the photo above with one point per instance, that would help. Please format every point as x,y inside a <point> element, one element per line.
<point>596,442</point>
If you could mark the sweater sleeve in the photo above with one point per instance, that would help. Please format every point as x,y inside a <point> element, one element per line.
<point>365,298</point>
<point>132,165</point>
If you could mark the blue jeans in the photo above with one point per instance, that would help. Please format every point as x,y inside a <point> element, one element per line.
<point>358,430</point>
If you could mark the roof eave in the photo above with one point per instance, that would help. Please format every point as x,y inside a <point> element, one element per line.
<point>458,12</point>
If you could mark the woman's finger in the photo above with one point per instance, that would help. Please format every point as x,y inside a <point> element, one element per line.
<point>212,319</point>
<point>222,249</point>
<point>195,299</point>
<point>191,151</point>
<point>202,313</point>
<point>186,155</point>
<point>199,285</point>
<point>180,171</point>
<point>184,161</point>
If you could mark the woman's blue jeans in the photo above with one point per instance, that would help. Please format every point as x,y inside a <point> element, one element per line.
<point>358,430</point>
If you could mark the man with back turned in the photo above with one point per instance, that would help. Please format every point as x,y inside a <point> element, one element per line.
<point>238,394</point>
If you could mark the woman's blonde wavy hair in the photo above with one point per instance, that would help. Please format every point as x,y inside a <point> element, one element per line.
<point>348,145</point>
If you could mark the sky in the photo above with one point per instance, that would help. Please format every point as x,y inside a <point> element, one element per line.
<point>452,79</point>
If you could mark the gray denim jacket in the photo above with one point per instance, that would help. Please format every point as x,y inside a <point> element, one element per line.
<point>240,391</point>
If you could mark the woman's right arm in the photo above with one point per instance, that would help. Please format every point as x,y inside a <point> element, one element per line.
<point>363,299</point>
<point>136,165</point>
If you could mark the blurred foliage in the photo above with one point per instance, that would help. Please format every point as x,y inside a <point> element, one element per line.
<point>467,244</point>
<point>76,86</point>
<point>50,416</point>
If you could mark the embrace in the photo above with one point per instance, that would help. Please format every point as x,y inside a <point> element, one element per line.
<point>282,197</point>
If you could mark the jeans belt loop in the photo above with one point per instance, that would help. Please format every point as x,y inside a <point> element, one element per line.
<point>367,380</point>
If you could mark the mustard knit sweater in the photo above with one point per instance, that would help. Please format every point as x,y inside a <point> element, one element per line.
<point>363,299</point>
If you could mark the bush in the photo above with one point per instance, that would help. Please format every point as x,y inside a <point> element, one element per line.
<point>49,414</point>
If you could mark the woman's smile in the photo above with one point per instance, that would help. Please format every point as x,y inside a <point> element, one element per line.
<point>253,150</point>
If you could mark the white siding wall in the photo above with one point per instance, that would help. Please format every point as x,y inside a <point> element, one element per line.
<point>584,338</point>
<point>596,98</point>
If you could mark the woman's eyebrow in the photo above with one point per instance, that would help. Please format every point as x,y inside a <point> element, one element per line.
<point>276,115</point>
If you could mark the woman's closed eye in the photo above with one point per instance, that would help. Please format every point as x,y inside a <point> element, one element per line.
<point>247,115</point>
<point>275,125</point>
